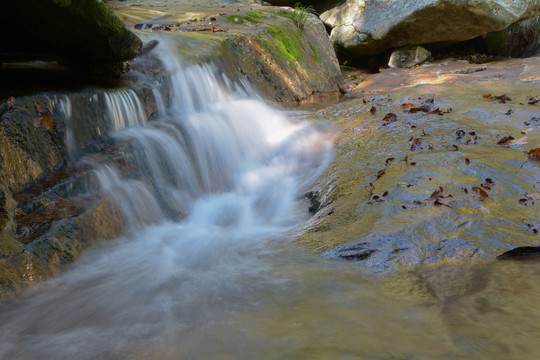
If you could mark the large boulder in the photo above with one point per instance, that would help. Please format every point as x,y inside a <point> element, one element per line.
<point>82,32</point>
<point>369,27</point>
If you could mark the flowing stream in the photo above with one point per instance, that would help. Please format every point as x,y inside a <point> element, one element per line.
<point>208,269</point>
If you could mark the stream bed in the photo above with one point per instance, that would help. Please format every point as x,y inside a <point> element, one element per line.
<point>223,278</point>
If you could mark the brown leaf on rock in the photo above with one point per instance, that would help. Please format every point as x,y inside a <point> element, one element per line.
<point>415,143</point>
<point>487,96</point>
<point>532,100</point>
<point>477,193</point>
<point>529,199</point>
<point>408,162</point>
<point>379,196</point>
<point>439,197</point>
<point>373,110</point>
<point>505,140</point>
<point>413,204</point>
<point>534,226</point>
<point>489,184</point>
<point>534,154</point>
<point>406,107</point>
<point>389,118</point>
<point>380,174</point>
<point>46,120</point>
<point>390,159</point>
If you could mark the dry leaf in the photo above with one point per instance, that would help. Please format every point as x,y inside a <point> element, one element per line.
<point>526,131</point>
<point>534,154</point>
<point>505,140</point>
<point>477,193</point>
<point>380,173</point>
<point>390,159</point>
<point>389,118</point>
<point>415,143</point>
<point>373,110</point>
<point>407,107</point>
<point>413,204</point>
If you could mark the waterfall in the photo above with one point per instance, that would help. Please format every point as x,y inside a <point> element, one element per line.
<point>219,173</point>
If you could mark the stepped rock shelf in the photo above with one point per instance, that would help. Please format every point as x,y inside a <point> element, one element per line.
<point>51,206</point>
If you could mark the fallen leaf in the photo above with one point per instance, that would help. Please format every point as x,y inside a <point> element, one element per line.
<point>526,131</point>
<point>406,107</point>
<point>452,148</point>
<point>505,140</point>
<point>213,19</point>
<point>46,120</point>
<point>380,196</point>
<point>534,226</point>
<point>487,96</point>
<point>532,100</point>
<point>413,204</point>
<point>11,101</point>
<point>439,197</point>
<point>389,118</point>
<point>380,174</point>
<point>373,110</point>
<point>390,159</point>
<point>467,161</point>
<point>408,162</point>
<point>534,154</point>
<point>488,184</point>
<point>38,108</point>
<point>477,193</point>
<point>415,143</point>
<point>529,199</point>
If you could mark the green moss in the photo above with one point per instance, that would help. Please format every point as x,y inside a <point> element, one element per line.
<point>315,55</point>
<point>286,14</point>
<point>235,19</point>
<point>255,14</point>
<point>283,42</point>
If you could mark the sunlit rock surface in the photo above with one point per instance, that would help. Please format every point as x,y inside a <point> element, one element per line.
<point>436,181</point>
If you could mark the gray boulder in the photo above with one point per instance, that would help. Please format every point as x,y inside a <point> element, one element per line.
<point>408,57</point>
<point>369,27</point>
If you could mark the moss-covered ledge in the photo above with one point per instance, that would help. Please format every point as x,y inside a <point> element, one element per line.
<point>285,54</point>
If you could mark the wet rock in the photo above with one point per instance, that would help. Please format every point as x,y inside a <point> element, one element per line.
<point>288,59</point>
<point>427,217</point>
<point>366,27</point>
<point>521,253</point>
<point>83,34</point>
<point>408,57</point>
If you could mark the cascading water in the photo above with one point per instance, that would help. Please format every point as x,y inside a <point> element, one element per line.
<point>230,166</point>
